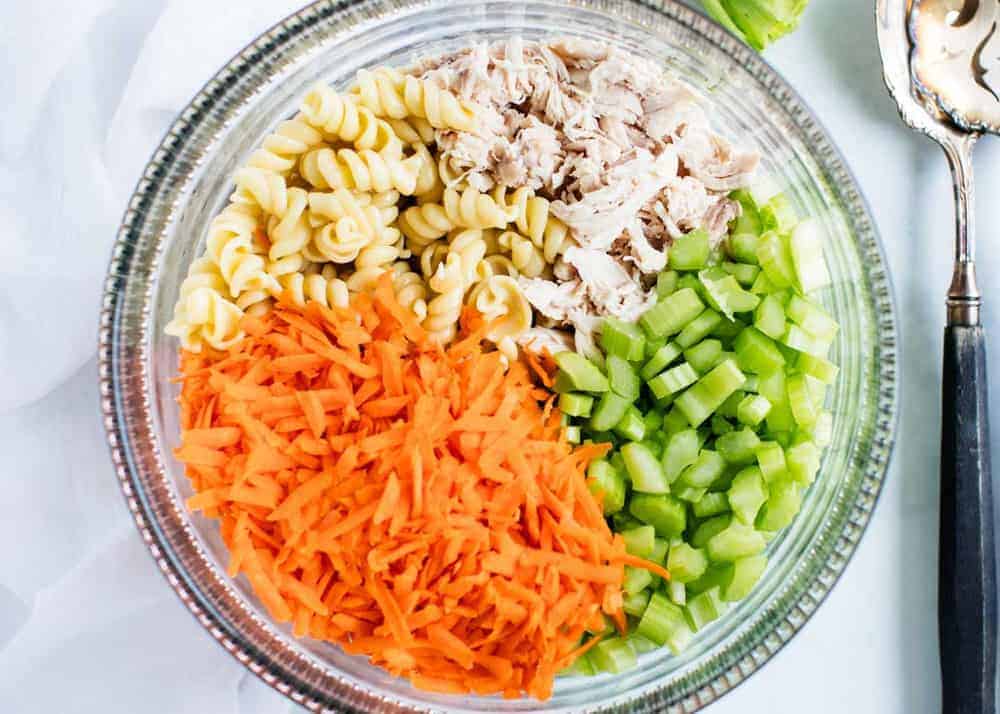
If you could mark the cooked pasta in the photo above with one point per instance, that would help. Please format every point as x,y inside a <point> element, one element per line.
<point>389,93</point>
<point>281,150</point>
<point>429,186</point>
<point>525,255</point>
<point>263,189</point>
<point>381,252</point>
<point>230,246</point>
<point>338,241</point>
<point>423,224</point>
<point>341,203</point>
<point>410,289</point>
<point>317,284</point>
<point>468,249</point>
<point>431,257</point>
<point>361,170</point>
<point>445,308</point>
<point>530,213</point>
<point>471,209</point>
<point>290,232</point>
<point>504,306</point>
<point>202,314</point>
<point>412,130</point>
<point>497,264</point>
<point>341,118</point>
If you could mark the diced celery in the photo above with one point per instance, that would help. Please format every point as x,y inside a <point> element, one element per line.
<point>804,410</point>
<point>803,461</point>
<point>756,352</point>
<point>771,459</point>
<point>731,405</point>
<point>576,404</point>
<point>614,655</point>
<point>711,504</point>
<point>783,502</point>
<point>743,575</point>
<point>752,384</point>
<point>773,387</point>
<point>812,318</point>
<point>722,381</point>
<point>706,530</point>
<point>635,605</point>
<point>609,411</point>
<point>801,341</point>
<point>725,294</point>
<point>682,451</point>
<point>674,421</point>
<point>691,251</point>
<point>747,494</point>
<point>583,374</point>
<point>660,360</point>
<point>665,513</point>
<point>776,260</point>
<point>696,404</point>
<point>703,608</point>
<point>606,627</point>
<point>644,469</point>
<point>654,346</point>
<point>605,480</point>
<point>817,367</point>
<point>623,339</point>
<point>728,329</point>
<point>574,435</point>
<point>698,328</point>
<point>686,563</point>
<point>778,214</point>
<point>631,427</point>
<point>639,541</point>
<point>769,317</point>
<point>673,380</point>
<point>655,444</point>
<point>623,521</point>
<point>622,377</point>
<point>806,248</point>
<point>763,285</point>
<point>666,283</point>
<point>704,471</point>
<point>671,314</point>
<point>639,643</point>
<point>677,593</point>
<point>738,447</point>
<point>743,247</point>
<point>652,421</point>
<point>745,274</point>
<point>691,494</point>
<point>720,425</point>
<point>735,542</point>
<point>664,623</point>
<point>817,390</point>
<point>703,355</point>
<point>563,383</point>
<point>581,667</point>
<point>661,547</point>
<point>636,580</point>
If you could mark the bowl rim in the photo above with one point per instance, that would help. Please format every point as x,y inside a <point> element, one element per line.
<point>117,415</point>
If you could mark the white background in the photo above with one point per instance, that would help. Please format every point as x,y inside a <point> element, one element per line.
<point>87,624</point>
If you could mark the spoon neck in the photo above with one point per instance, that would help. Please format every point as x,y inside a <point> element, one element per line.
<point>964,298</point>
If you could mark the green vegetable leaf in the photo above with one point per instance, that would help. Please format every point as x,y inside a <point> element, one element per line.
<point>757,22</point>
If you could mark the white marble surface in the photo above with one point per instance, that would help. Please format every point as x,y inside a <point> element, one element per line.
<point>87,623</point>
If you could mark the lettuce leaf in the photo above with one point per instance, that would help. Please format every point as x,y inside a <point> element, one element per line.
<point>757,22</point>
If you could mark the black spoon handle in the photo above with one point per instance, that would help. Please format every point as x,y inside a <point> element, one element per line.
<point>967,595</point>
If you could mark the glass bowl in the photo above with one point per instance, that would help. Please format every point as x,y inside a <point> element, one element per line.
<point>187,181</point>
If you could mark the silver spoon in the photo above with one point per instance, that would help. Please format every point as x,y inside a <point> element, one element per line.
<point>940,63</point>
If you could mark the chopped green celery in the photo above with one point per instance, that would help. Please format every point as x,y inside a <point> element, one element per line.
<point>736,541</point>
<point>728,329</point>
<point>691,494</point>
<point>783,503</point>
<point>698,328</point>
<point>752,384</point>
<point>563,383</point>
<point>574,435</point>
<point>769,317</point>
<point>603,478</point>
<point>583,374</point>
<point>677,592</point>
<point>690,281</point>
<point>639,643</point>
<point>756,352</point>
<point>635,605</point>
<point>703,355</point>
<point>803,461</point>
<point>764,187</point>
<point>811,318</point>
<point>636,580</point>
<point>817,367</point>
<point>720,425</point>
<point>704,471</point>
<point>722,381</point>
<point>742,576</point>
<point>747,494</point>
<point>691,251</point>
<point>703,608</point>
<point>753,409</point>
<point>763,285</point>
<point>776,260</point>
<point>778,214</point>
<point>738,447</point>
<point>745,274</point>
<point>660,360</point>
<point>639,541</point>
<point>711,504</point>
<point>749,205</point>
<point>670,315</point>
<point>609,411</point>
<point>686,563</point>
<point>582,667</point>
<point>654,445</point>
<point>614,655</point>
<point>801,341</point>
<point>743,247</point>
<point>673,380</point>
<point>623,521</point>
<point>706,530</point>
<point>631,427</point>
<point>661,546</point>
<point>822,431</point>
<point>623,339</point>
<point>622,377</point>
<point>682,451</point>
<point>664,623</point>
<point>665,513</point>
<point>666,283</point>
<point>674,421</point>
<point>771,459</point>
<point>800,399</point>
<point>806,248</point>
<point>696,404</point>
<point>773,387</point>
<point>644,469</point>
<point>565,419</point>
<point>576,404</point>
<point>731,405</point>
<point>725,294</point>
<point>652,421</point>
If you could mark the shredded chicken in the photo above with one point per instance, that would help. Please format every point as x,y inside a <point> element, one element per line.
<point>625,154</point>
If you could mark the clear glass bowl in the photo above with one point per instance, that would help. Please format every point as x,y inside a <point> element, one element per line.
<point>187,181</point>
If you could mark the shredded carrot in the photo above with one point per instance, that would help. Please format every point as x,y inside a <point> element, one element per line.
<point>414,504</point>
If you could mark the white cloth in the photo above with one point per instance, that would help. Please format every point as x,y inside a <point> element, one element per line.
<point>90,87</point>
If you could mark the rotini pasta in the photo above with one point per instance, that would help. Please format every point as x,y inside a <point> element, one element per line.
<point>263,189</point>
<point>317,284</point>
<point>504,306</point>
<point>467,248</point>
<point>424,224</point>
<point>530,213</point>
<point>290,232</point>
<point>341,118</point>
<point>361,170</point>
<point>445,308</point>
<point>431,257</point>
<point>413,130</point>
<point>410,289</point>
<point>381,252</point>
<point>471,209</point>
<point>389,93</point>
<point>339,242</point>
<point>525,255</point>
<point>230,246</point>
<point>497,264</point>
<point>202,314</point>
<point>341,203</point>
<point>281,150</point>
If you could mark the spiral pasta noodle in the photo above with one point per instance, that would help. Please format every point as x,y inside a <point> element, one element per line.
<point>260,188</point>
<point>381,252</point>
<point>281,150</point>
<point>497,264</point>
<point>319,285</point>
<point>412,130</point>
<point>445,308</point>
<point>290,232</point>
<point>341,118</point>
<point>339,242</point>
<point>467,248</point>
<point>525,255</point>
<point>431,257</point>
<point>530,213</point>
<point>202,314</point>
<point>341,203</point>
<point>230,246</point>
<point>361,170</point>
<point>410,289</point>
<point>504,306</point>
<point>424,224</point>
<point>389,93</point>
<point>472,209</point>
